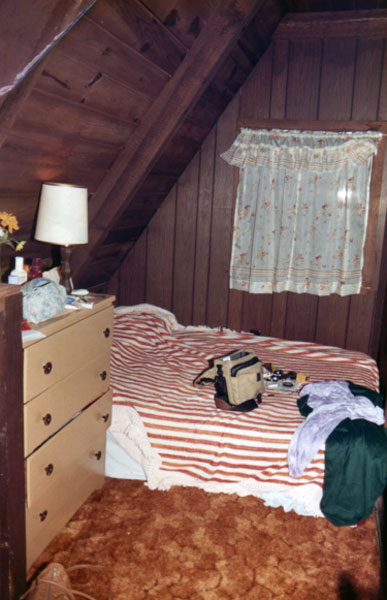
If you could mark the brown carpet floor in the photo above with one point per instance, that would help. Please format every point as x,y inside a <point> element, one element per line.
<point>189,544</point>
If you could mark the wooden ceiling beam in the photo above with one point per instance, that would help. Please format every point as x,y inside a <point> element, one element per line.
<point>162,120</point>
<point>338,24</point>
<point>40,25</point>
<point>14,101</point>
<point>166,29</point>
<point>136,53</point>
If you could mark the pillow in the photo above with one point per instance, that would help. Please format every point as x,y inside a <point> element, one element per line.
<point>166,318</point>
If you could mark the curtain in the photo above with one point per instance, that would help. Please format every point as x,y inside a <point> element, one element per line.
<point>301,210</point>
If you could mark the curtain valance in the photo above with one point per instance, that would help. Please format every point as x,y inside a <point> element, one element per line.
<point>289,149</point>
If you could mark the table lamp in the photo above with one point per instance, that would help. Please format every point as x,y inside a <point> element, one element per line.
<point>62,220</point>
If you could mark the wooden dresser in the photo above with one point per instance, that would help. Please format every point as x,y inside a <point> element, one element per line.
<point>67,409</point>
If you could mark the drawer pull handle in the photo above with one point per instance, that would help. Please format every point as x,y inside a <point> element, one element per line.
<point>105,417</point>
<point>49,469</point>
<point>98,455</point>
<point>43,515</point>
<point>47,419</point>
<point>106,332</point>
<point>47,368</point>
<point>103,375</point>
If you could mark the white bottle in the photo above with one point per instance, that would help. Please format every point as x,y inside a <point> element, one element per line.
<point>18,275</point>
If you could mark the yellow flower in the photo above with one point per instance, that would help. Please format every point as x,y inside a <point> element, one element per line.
<point>8,221</point>
<point>20,246</point>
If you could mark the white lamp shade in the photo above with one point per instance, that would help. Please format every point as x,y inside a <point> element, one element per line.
<point>62,217</point>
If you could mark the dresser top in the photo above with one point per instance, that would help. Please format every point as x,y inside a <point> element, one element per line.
<point>70,316</point>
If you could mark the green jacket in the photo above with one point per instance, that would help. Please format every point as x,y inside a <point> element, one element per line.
<point>355,464</point>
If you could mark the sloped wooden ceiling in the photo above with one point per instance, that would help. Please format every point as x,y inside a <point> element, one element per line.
<point>118,95</point>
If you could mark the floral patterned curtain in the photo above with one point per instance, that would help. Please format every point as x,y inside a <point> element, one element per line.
<point>301,210</point>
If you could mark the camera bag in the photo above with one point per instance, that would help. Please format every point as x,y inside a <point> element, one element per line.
<point>238,381</point>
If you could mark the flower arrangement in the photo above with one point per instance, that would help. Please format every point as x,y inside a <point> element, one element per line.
<point>9,223</point>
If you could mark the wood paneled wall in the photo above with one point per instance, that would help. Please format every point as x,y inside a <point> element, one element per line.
<point>181,262</point>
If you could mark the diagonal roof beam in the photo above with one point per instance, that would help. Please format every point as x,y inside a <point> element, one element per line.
<point>162,120</point>
<point>40,24</point>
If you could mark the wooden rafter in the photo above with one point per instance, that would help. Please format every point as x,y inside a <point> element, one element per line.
<point>15,100</point>
<point>160,123</point>
<point>342,24</point>
<point>22,64</point>
<point>40,25</point>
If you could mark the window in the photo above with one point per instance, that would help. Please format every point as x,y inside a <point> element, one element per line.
<point>301,211</point>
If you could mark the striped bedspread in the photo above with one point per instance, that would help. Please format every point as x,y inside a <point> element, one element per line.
<point>180,438</point>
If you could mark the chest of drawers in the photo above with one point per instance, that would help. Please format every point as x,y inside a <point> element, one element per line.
<point>67,409</point>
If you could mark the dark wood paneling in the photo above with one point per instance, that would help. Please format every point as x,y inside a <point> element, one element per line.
<point>279,83</point>
<point>184,21</point>
<point>113,286</point>
<point>135,26</point>
<point>367,83</point>
<point>235,310</point>
<point>203,230</point>
<point>43,147</point>
<point>303,79</point>
<point>381,321</point>
<point>11,104</point>
<point>256,314</point>
<point>221,222</point>
<point>32,32</point>
<point>255,94</point>
<point>160,254</point>
<point>308,80</point>
<point>332,318</point>
<point>132,276</point>
<point>255,104</point>
<point>177,154</point>
<point>337,75</point>
<point>26,177</point>
<point>98,48</point>
<point>302,102</point>
<point>165,117</point>
<point>367,79</point>
<point>344,23</point>
<point>382,111</point>
<point>185,224</point>
<point>71,121</point>
<point>380,324</point>
<point>279,79</point>
<point>73,80</point>
<point>141,211</point>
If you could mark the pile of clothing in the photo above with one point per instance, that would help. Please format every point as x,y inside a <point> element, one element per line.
<point>349,420</point>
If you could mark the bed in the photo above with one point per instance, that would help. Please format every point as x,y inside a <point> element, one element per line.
<point>167,432</point>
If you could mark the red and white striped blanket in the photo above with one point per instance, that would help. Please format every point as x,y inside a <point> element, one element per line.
<point>175,431</point>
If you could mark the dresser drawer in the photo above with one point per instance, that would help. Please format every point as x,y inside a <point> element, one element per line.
<point>46,518</point>
<point>75,453</point>
<point>49,411</point>
<point>55,357</point>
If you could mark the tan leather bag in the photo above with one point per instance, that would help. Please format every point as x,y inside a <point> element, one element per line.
<point>238,380</point>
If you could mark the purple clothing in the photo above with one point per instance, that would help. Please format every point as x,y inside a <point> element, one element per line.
<point>332,402</point>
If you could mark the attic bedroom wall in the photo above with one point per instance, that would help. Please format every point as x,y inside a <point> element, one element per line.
<point>181,261</point>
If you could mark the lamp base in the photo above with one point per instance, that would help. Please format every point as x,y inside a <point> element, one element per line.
<point>65,268</point>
